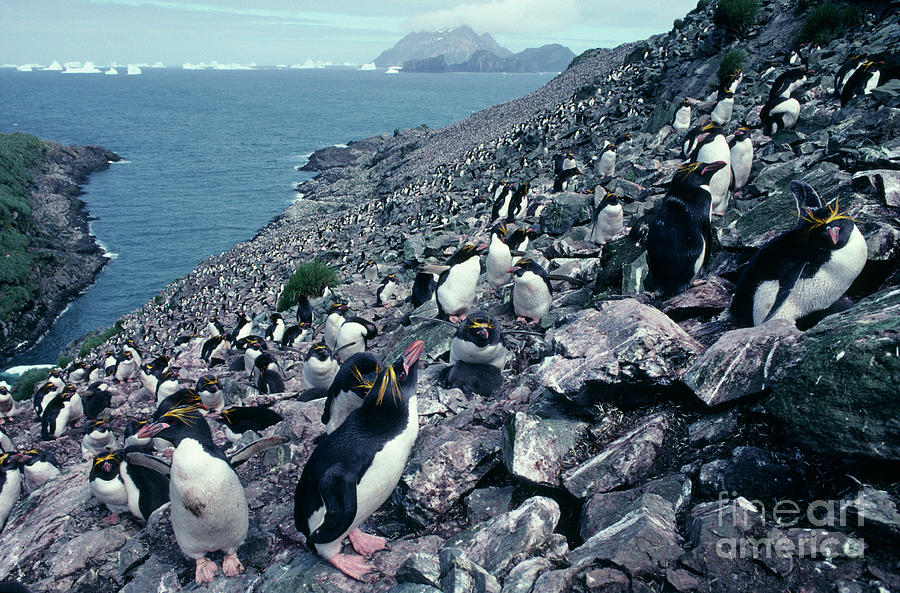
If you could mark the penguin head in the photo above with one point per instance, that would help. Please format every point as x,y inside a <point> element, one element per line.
<point>9,462</point>
<point>208,383</point>
<point>176,424</point>
<point>823,227</point>
<point>263,361</point>
<point>526,265</point>
<point>127,355</point>
<point>168,375</point>
<point>708,132</point>
<point>397,383</point>
<point>339,308</point>
<point>742,133</point>
<point>106,466</point>
<point>608,148</point>
<point>696,174</point>
<point>130,342</point>
<point>4,389</point>
<point>465,252</point>
<point>610,199</point>
<point>275,317</point>
<point>133,427</point>
<point>499,230</point>
<point>98,428</point>
<point>31,456</point>
<point>686,103</point>
<point>69,390</point>
<point>55,373</point>
<point>319,351</point>
<point>480,329</point>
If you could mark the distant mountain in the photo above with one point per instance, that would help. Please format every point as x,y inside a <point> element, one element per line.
<point>456,45</point>
<point>547,58</point>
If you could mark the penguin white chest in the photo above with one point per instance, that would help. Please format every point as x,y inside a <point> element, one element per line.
<point>350,339</point>
<point>498,261</point>
<point>788,112</point>
<point>607,164</point>
<point>209,508</point>
<point>341,406</point>
<point>682,119</point>
<point>9,494</point>
<point>39,472</point>
<point>278,331</point>
<point>531,297</point>
<point>466,351</point>
<point>332,324</point>
<point>457,294</point>
<point>741,162</point>
<point>609,223</point>
<point>319,374</point>
<point>721,114</point>
<point>111,492</point>
<point>717,150</point>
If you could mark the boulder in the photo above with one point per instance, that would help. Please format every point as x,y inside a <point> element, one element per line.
<point>750,472</point>
<point>566,210</point>
<point>835,389</point>
<point>534,445</point>
<point>736,365</point>
<point>872,510</point>
<point>623,344</point>
<point>606,508</point>
<point>713,428</point>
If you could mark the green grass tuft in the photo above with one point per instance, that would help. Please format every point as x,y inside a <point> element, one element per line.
<point>829,21</point>
<point>736,16</point>
<point>678,24</point>
<point>24,385</point>
<point>732,62</point>
<point>310,279</point>
<point>96,338</point>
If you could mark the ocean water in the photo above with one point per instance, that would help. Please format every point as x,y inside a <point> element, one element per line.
<point>210,157</point>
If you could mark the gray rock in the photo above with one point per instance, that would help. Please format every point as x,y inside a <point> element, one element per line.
<point>153,575</point>
<point>624,342</point>
<point>92,547</point>
<point>413,588</point>
<point>835,389</point>
<point>421,568</point>
<point>486,503</point>
<point>644,541</point>
<point>533,445</point>
<point>565,210</point>
<point>606,508</point>
<point>444,466</point>
<point>704,300</point>
<point>881,183</point>
<point>713,428</point>
<point>461,575</point>
<point>522,577</point>
<point>736,365</point>
<point>873,510</point>
<point>496,544</point>
<point>751,472</point>
<point>623,462</point>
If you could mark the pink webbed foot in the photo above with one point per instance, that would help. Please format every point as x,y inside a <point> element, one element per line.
<point>698,282</point>
<point>454,319</point>
<point>366,544</point>
<point>110,519</point>
<point>353,566</point>
<point>231,566</point>
<point>206,571</point>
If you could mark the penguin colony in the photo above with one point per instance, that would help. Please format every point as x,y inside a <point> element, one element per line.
<point>370,404</point>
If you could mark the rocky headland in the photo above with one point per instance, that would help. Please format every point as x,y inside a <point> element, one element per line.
<point>65,256</point>
<point>635,445</point>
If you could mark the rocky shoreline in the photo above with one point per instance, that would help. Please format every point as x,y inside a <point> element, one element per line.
<point>634,445</point>
<point>61,238</point>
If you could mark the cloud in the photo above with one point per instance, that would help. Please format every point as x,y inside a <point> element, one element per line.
<point>502,16</point>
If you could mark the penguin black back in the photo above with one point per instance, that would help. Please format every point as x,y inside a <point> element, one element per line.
<point>423,289</point>
<point>357,374</point>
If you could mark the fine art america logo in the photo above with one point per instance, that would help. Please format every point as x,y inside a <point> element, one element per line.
<point>784,540</point>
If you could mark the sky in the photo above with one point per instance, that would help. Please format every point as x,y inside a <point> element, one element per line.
<point>292,31</point>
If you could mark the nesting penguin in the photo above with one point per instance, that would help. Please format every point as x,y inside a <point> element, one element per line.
<point>276,328</point>
<point>320,368</point>
<point>787,83</point>
<point>95,399</point>
<point>564,181</point>
<point>531,293</point>
<point>7,403</point>
<point>502,199</point>
<point>780,113</point>
<point>498,257</point>
<point>208,504</point>
<point>518,203</point>
<point>682,121</point>
<point>237,420</point>
<point>125,366</point>
<point>354,469</point>
<point>38,466</point>
<point>353,335</point>
<point>348,389</point>
<point>98,438</point>
<point>267,376</point>
<point>386,291</point>
<point>455,289</point>
<point>680,237</point>
<point>295,335</point>
<point>124,486</point>
<point>804,270</point>
<point>721,113</point>
<point>741,158</point>
<point>477,341</point>
<point>243,328</point>
<point>211,393</point>
<point>608,220</point>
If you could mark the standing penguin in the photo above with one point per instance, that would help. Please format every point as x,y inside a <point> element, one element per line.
<point>531,293</point>
<point>354,469</point>
<point>38,467</point>
<point>861,82</point>
<point>606,165</point>
<point>7,404</point>
<point>124,486</point>
<point>55,417</point>
<point>455,290</point>
<point>214,351</point>
<point>609,220</point>
<point>564,181</point>
<point>242,328</point>
<point>518,240</point>
<point>353,336</point>
<point>304,309</point>
<point>252,346</point>
<point>423,289</point>
<point>166,386</point>
<point>721,113</point>
<point>125,367</point>
<point>348,389</point>
<point>267,376</point>
<point>276,328</point>
<point>98,438</point>
<point>295,335</point>
<point>498,257</point>
<point>680,237</point>
<point>741,157</point>
<point>803,270</point>
<point>209,507</point>
<point>110,361</point>
<point>10,485</point>
<point>386,291</point>
<point>502,198</point>
<point>337,314</point>
<point>214,326</point>
<point>788,82</point>
<point>780,113</point>
<point>211,393</point>
<point>713,147</point>
<point>847,69</point>
<point>131,346</point>
<point>682,121</point>
<point>95,399</point>
<point>320,368</point>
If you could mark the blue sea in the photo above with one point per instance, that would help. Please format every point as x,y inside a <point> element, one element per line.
<point>210,156</point>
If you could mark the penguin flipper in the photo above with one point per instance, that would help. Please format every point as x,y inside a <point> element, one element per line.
<point>338,491</point>
<point>137,458</point>
<point>785,288</point>
<point>152,485</point>
<point>257,446</point>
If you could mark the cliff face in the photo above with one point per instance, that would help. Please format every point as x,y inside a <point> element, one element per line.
<point>64,257</point>
<point>633,445</point>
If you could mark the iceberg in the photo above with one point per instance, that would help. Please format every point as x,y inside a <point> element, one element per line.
<point>158,65</point>
<point>393,70</point>
<point>24,68</point>
<point>134,69</point>
<point>54,66</point>
<point>87,68</point>
<point>310,63</point>
<point>111,72</point>
<point>369,66</point>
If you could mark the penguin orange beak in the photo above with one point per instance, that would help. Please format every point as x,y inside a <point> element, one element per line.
<point>513,270</point>
<point>412,354</point>
<point>481,247</point>
<point>834,233</point>
<point>151,430</point>
<point>106,466</point>
<point>713,167</point>
<point>483,333</point>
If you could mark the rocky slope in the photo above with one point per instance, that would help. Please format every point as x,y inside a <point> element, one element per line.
<point>66,256</point>
<point>636,445</point>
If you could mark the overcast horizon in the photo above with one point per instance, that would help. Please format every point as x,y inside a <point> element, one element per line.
<point>285,32</point>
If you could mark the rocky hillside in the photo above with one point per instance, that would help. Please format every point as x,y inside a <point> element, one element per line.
<point>634,445</point>
<point>50,256</point>
<point>547,58</point>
